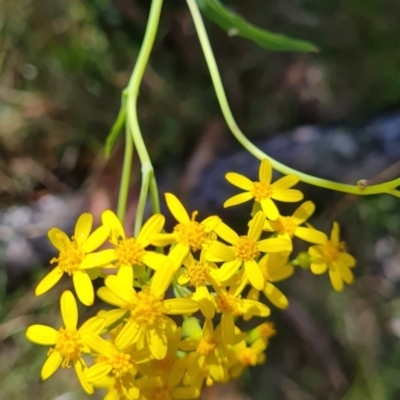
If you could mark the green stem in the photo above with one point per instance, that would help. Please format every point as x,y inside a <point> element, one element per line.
<point>132,92</point>
<point>250,147</point>
<point>125,176</point>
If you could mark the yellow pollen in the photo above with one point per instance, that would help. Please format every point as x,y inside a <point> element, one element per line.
<point>192,233</point>
<point>197,273</point>
<point>70,258</point>
<point>205,347</point>
<point>129,252</point>
<point>69,345</point>
<point>147,308</point>
<point>121,364</point>
<point>267,330</point>
<point>248,357</point>
<point>261,191</point>
<point>286,225</point>
<point>160,394</point>
<point>226,303</point>
<point>330,251</point>
<point>246,249</point>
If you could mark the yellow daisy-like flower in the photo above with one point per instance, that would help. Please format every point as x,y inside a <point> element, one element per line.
<point>332,256</point>
<point>275,268</point>
<point>245,250</point>
<point>290,226</point>
<point>74,258</point>
<point>132,251</point>
<point>67,341</point>
<point>147,323</point>
<point>189,234</point>
<point>200,274</point>
<point>263,191</point>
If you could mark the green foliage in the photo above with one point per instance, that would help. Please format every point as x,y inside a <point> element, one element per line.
<point>235,25</point>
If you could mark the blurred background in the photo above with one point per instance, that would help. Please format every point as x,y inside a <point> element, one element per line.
<point>333,114</point>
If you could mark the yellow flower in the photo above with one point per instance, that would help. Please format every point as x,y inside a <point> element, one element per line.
<point>188,234</point>
<point>332,256</point>
<point>116,367</point>
<point>147,323</point>
<point>67,341</point>
<point>74,258</point>
<point>275,268</point>
<point>200,274</point>
<point>290,226</point>
<point>245,250</point>
<point>263,191</point>
<point>132,251</point>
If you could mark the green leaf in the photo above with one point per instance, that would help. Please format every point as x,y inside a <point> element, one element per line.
<point>116,128</point>
<point>236,25</point>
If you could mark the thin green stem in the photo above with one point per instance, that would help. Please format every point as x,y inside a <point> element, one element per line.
<point>132,93</point>
<point>250,147</point>
<point>125,176</point>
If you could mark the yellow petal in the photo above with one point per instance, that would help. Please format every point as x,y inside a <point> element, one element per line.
<point>303,212</point>
<point>204,300</point>
<point>129,334</point>
<point>180,306</point>
<point>162,279</point>
<point>228,269</point>
<point>274,245</point>
<point>216,369</point>
<point>238,199</point>
<point>120,289</point>
<point>101,258</point>
<point>310,235</point>
<point>42,334</point>
<point>346,273</point>
<point>275,296</point>
<point>226,233</point>
<point>51,364</point>
<point>319,268</point>
<point>211,223</point>
<point>221,251</point>
<point>157,342</point>
<point>186,393</point>
<point>98,371</point>
<point>208,329</point>
<point>69,310</point>
<point>96,239</point>
<point>58,238</point>
<point>285,182</point>
<point>287,195</point>
<point>111,221</point>
<point>270,209</point>
<point>270,226</point>
<point>346,259</point>
<point>49,281</point>
<point>153,225</point>
<point>125,274</point>
<point>83,287</point>
<point>256,225</point>
<point>154,260</point>
<point>80,369</point>
<point>254,308</point>
<point>335,234</point>
<point>254,274</point>
<point>105,294</point>
<point>163,239</point>
<point>227,328</point>
<point>239,181</point>
<point>93,325</point>
<point>279,274</point>
<point>178,255</point>
<point>176,208</point>
<point>83,227</point>
<point>265,171</point>
<point>98,345</point>
<point>336,279</point>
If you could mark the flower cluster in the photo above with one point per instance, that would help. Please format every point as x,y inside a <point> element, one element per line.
<point>175,299</point>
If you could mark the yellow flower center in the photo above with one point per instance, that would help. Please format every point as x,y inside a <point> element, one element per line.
<point>192,233</point>
<point>246,249</point>
<point>70,258</point>
<point>248,357</point>
<point>197,273</point>
<point>286,225</point>
<point>205,347</point>
<point>226,303</point>
<point>330,251</point>
<point>147,308</point>
<point>162,393</point>
<point>121,364</point>
<point>261,191</point>
<point>69,345</point>
<point>129,252</point>
<point>267,330</point>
